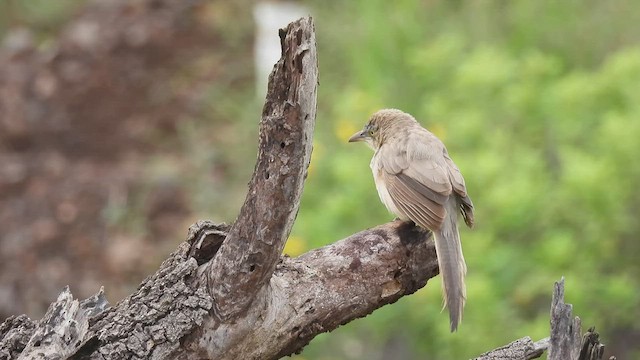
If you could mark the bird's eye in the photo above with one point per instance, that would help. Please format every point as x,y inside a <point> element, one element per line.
<point>371,132</point>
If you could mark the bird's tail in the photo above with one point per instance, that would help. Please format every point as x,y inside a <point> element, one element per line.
<point>452,266</point>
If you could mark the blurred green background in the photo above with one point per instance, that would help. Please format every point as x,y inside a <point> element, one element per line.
<point>538,103</point>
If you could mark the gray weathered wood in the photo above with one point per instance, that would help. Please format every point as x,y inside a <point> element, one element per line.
<point>251,251</point>
<point>64,326</point>
<point>323,289</point>
<point>566,331</point>
<point>15,333</point>
<point>565,342</point>
<point>168,316</point>
<point>591,348</point>
<point>521,349</point>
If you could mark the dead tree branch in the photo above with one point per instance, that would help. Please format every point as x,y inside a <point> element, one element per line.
<point>565,330</point>
<point>251,251</point>
<point>565,342</point>
<point>521,349</point>
<point>227,293</point>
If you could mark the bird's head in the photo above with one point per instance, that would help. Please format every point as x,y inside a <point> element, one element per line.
<point>381,126</point>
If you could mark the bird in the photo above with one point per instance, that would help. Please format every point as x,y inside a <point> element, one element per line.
<point>417,181</point>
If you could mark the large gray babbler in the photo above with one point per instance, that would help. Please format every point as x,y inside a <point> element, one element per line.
<point>417,180</point>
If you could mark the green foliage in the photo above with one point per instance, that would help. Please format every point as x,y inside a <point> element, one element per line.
<point>543,122</point>
<point>40,16</point>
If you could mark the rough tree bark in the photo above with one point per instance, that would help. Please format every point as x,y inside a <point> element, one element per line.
<point>521,349</point>
<point>567,341</point>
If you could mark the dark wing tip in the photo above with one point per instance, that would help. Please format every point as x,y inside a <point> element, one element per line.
<point>466,208</point>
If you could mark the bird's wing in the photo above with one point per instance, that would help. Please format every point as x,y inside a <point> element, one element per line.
<point>417,182</point>
<point>457,181</point>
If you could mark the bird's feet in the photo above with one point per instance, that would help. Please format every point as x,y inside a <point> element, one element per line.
<point>408,222</point>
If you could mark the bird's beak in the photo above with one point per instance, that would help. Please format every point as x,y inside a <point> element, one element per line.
<point>359,136</point>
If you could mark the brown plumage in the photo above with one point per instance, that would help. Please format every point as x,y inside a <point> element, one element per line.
<point>417,180</point>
